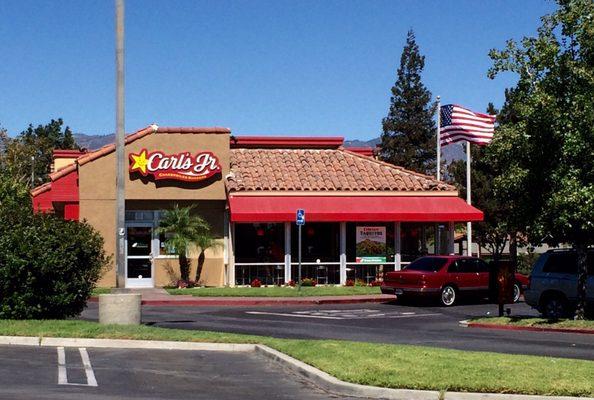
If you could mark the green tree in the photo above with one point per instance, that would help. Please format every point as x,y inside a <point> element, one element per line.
<point>32,149</point>
<point>552,141</point>
<point>48,266</point>
<point>182,232</point>
<point>408,137</point>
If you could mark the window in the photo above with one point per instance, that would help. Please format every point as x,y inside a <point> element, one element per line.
<point>319,241</point>
<point>260,243</point>
<point>467,265</point>
<point>561,263</point>
<point>482,266</point>
<point>166,249</point>
<point>428,264</point>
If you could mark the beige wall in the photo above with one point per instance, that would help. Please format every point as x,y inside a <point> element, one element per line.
<point>97,178</point>
<point>97,200</point>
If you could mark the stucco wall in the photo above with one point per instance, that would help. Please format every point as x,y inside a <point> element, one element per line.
<point>97,199</point>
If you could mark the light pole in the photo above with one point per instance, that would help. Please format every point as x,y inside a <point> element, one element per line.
<point>120,184</point>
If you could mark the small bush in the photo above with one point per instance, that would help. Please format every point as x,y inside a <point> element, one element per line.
<point>308,282</point>
<point>349,282</point>
<point>181,284</point>
<point>256,283</point>
<point>375,283</point>
<point>360,282</point>
<point>48,268</point>
<point>291,283</point>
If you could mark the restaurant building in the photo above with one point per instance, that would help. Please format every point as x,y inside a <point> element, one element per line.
<point>363,217</point>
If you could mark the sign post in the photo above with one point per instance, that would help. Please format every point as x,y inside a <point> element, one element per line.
<point>300,220</point>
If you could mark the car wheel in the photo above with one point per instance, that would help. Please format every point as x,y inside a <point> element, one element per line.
<point>448,296</point>
<point>554,307</point>
<point>517,292</point>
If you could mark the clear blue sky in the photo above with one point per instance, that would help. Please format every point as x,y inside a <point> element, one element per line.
<point>258,67</point>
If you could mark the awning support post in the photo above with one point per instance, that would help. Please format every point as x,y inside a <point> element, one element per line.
<point>226,253</point>
<point>231,253</point>
<point>397,247</point>
<point>343,259</point>
<point>287,252</point>
<point>451,234</point>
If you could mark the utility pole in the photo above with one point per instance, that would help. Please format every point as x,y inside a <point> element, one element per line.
<point>32,172</point>
<point>120,176</point>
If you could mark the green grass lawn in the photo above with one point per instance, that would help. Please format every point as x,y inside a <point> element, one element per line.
<point>277,291</point>
<point>536,322</point>
<point>388,365</point>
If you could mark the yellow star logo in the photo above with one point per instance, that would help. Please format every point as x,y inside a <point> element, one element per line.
<point>139,162</point>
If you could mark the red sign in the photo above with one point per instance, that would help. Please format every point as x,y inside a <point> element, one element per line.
<point>181,167</point>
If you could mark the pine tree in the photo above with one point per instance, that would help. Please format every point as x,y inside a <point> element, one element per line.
<point>408,137</point>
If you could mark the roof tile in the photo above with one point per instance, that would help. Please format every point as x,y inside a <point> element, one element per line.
<point>255,169</point>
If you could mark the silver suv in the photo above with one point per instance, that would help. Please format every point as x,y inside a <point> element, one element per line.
<point>553,283</point>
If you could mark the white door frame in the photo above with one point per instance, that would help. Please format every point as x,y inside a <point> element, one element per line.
<point>144,282</point>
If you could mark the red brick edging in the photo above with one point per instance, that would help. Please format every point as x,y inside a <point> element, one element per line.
<point>529,328</point>
<point>246,301</point>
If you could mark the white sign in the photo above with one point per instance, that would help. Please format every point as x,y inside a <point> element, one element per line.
<point>370,244</point>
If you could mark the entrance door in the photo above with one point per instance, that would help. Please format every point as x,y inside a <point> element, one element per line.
<point>139,256</point>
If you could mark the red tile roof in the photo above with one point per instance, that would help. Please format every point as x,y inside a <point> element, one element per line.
<point>321,170</point>
<point>287,142</point>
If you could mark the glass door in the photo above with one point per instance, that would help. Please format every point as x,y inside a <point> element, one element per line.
<point>139,256</point>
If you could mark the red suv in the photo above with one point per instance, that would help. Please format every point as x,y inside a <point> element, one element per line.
<point>445,277</point>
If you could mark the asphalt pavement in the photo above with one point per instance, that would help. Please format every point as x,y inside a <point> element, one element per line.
<point>39,373</point>
<point>381,323</point>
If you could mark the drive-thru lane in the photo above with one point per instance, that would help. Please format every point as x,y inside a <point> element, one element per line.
<point>34,373</point>
<point>384,323</point>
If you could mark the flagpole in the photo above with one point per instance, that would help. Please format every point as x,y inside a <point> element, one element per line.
<point>438,167</point>
<point>468,190</point>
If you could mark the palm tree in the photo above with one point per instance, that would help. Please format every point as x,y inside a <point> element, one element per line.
<point>184,231</point>
<point>204,241</point>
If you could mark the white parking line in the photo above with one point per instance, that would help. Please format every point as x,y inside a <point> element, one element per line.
<point>291,315</point>
<point>63,374</point>
<point>91,381</point>
<point>365,314</point>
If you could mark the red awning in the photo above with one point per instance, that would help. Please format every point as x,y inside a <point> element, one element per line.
<point>352,208</point>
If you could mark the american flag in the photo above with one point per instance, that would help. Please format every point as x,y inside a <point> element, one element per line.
<point>460,124</point>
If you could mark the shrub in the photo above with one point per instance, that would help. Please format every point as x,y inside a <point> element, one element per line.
<point>291,283</point>
<point>181,284</point>
<point>349,282</point>
<point>48,267</point>
<point>256,283</point>
<point>375,283</point>
<point>308,282</point>
<point>360,282</point>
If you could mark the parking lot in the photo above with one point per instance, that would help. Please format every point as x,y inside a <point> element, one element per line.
<point>76,373</point>
<point>424,325</point>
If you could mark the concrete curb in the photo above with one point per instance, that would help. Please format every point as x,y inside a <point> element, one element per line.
<point>319,378</point>
<point>124,344</point>
<point>528,328</point>
<point>331,384</point>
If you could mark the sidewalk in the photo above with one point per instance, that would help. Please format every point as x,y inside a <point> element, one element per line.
<point>160,297</point>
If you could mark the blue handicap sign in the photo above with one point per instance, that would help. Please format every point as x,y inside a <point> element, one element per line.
<point>300,217</point>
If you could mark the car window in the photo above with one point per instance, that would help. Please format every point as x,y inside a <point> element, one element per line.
<point>591,263</point>
<point>467,265</point>
<point>454,267</point>
<point>561,263</point>
<point>481,265</point>
<point>429,264</point>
